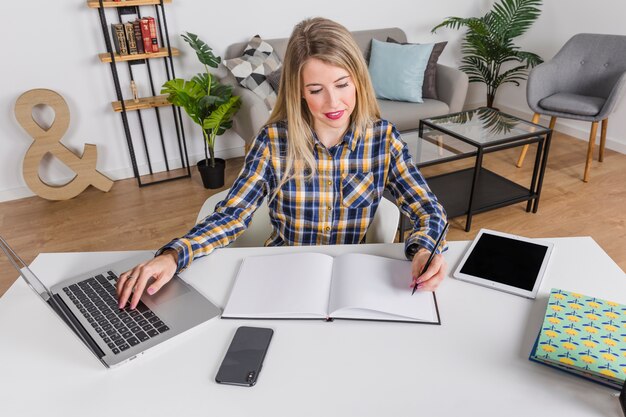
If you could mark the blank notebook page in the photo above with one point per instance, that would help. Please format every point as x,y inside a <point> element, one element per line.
<point>374,284</point>
<point>292,285</point>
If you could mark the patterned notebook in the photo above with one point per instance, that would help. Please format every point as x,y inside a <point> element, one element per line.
<point>585,336</point>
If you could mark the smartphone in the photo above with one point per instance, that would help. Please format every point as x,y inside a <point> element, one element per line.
<point>244,358</point>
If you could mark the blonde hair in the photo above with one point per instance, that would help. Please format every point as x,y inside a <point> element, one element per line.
<point>331,43</point>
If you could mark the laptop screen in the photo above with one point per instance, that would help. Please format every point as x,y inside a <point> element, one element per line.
<point>24,270</point>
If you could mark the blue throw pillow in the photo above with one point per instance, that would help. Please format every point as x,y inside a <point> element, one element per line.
<point>397,71</point>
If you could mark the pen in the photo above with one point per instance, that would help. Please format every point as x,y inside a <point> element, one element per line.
<point>433,252</point>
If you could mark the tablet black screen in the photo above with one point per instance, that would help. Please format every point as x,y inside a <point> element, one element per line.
<point>507,261</point>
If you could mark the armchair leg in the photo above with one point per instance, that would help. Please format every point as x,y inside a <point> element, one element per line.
<point>522,154</point>
<point>605,122</point>
<point>592,141</point>
<point>552,122</point>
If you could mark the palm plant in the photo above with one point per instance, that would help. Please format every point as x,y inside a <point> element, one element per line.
<point>497,122</point>
<point>488,44</point>
<point>209,103</point>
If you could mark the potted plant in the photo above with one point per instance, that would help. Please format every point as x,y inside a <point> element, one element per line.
<point>488,44</point>
<point>208,103</point>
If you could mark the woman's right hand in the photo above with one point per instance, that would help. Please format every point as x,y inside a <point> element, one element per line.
<point>160,269</point>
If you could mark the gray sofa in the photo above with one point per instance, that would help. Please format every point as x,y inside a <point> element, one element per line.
<point>451,89</point>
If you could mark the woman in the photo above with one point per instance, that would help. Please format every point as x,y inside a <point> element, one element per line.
<point>323,161</point>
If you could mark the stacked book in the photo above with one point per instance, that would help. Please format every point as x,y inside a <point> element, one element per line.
<point>585,336</point>
<point>136,37</point>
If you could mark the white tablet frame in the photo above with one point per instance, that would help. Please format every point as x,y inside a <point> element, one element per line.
<point>499,286</point>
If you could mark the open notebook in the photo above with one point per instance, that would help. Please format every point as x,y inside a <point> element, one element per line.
<point>317,286</point>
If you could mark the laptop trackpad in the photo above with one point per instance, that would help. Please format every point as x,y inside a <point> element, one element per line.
<point>173,289</point>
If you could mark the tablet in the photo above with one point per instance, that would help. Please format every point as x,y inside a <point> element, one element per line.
<point>505,262</point>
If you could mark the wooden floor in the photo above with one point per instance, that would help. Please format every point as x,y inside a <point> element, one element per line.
<point>129,217</point>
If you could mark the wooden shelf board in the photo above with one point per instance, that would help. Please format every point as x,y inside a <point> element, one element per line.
<point>143,103</point>
<point>95,4</point>
<point>106,57</point>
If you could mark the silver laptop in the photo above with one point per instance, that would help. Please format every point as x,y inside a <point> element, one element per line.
<point>88,305</point>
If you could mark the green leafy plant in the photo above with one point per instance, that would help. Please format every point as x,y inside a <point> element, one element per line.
<point>488,44</point>
<point>206,101</point>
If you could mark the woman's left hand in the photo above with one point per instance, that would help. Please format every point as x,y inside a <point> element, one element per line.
<point>430,279</point>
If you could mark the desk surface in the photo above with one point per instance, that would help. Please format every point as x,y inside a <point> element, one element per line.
<point>475,363</point>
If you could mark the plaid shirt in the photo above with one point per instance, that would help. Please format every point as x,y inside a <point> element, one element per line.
<point>334,207</point>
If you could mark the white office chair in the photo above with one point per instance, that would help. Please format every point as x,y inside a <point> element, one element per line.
<point>382,229</point>
<point>259,229</point>
<point>385,223</point>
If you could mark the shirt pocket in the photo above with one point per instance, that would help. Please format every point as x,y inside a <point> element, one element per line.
<point>357,190</point>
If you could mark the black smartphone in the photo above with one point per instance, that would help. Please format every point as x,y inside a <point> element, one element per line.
<point>244,358</point>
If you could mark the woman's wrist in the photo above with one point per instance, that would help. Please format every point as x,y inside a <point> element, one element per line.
<point>172,254</point>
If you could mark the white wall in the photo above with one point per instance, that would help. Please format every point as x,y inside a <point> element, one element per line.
<point>59,52</point>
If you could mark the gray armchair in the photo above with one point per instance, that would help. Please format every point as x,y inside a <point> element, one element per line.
<point>584,81</point>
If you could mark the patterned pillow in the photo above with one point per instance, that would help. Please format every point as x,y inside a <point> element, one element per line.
<point>252,68</point>
<point>429,88</point>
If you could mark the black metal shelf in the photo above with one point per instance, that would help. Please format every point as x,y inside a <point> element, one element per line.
<point>492,191</point>
<point>170,173</point>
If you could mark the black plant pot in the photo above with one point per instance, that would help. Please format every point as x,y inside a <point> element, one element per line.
<point>212,177</point>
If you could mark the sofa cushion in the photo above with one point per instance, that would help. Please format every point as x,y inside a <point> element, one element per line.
<point>252,68</point>
<point>429,86</point>
<point>407,115</point>
<point>274,79</point>
<point>397,70</point>
<point>573,104</point>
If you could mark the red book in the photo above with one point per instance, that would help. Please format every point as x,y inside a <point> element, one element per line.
<point>145,34</point>
<point>153,34</point>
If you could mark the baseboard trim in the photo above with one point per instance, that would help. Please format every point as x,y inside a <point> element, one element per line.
<point>124,173</point>
<point>15,194</point>
<point>561,125</point>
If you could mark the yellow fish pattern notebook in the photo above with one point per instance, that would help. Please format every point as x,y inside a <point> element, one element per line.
<point>585,336</point>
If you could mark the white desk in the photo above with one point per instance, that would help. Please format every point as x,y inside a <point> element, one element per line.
<point>475,363</point>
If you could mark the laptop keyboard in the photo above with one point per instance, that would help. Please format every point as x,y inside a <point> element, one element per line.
<point>96,299</point>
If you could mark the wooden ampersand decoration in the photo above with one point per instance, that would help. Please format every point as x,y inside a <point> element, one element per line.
<point>48,141</point>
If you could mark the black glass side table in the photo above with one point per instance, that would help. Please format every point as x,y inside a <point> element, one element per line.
<point>475,133</point>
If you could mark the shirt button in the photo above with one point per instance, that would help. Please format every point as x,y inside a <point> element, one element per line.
<point>327,228</point>
<point>329,182</point>
<point>329,208</point>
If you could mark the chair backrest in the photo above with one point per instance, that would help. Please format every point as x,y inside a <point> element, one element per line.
<point>590,64</point>
<point>385,223</point>
<point>259,229</point>
<point>382,229</point>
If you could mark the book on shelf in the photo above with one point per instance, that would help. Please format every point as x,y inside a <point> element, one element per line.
<point>119,38</point>
<point>130,38</point>
<point>138,37</point>
<point>145,35</point>
<point>584,336</point>
<point>317,286</point>
<point>154,42</point>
